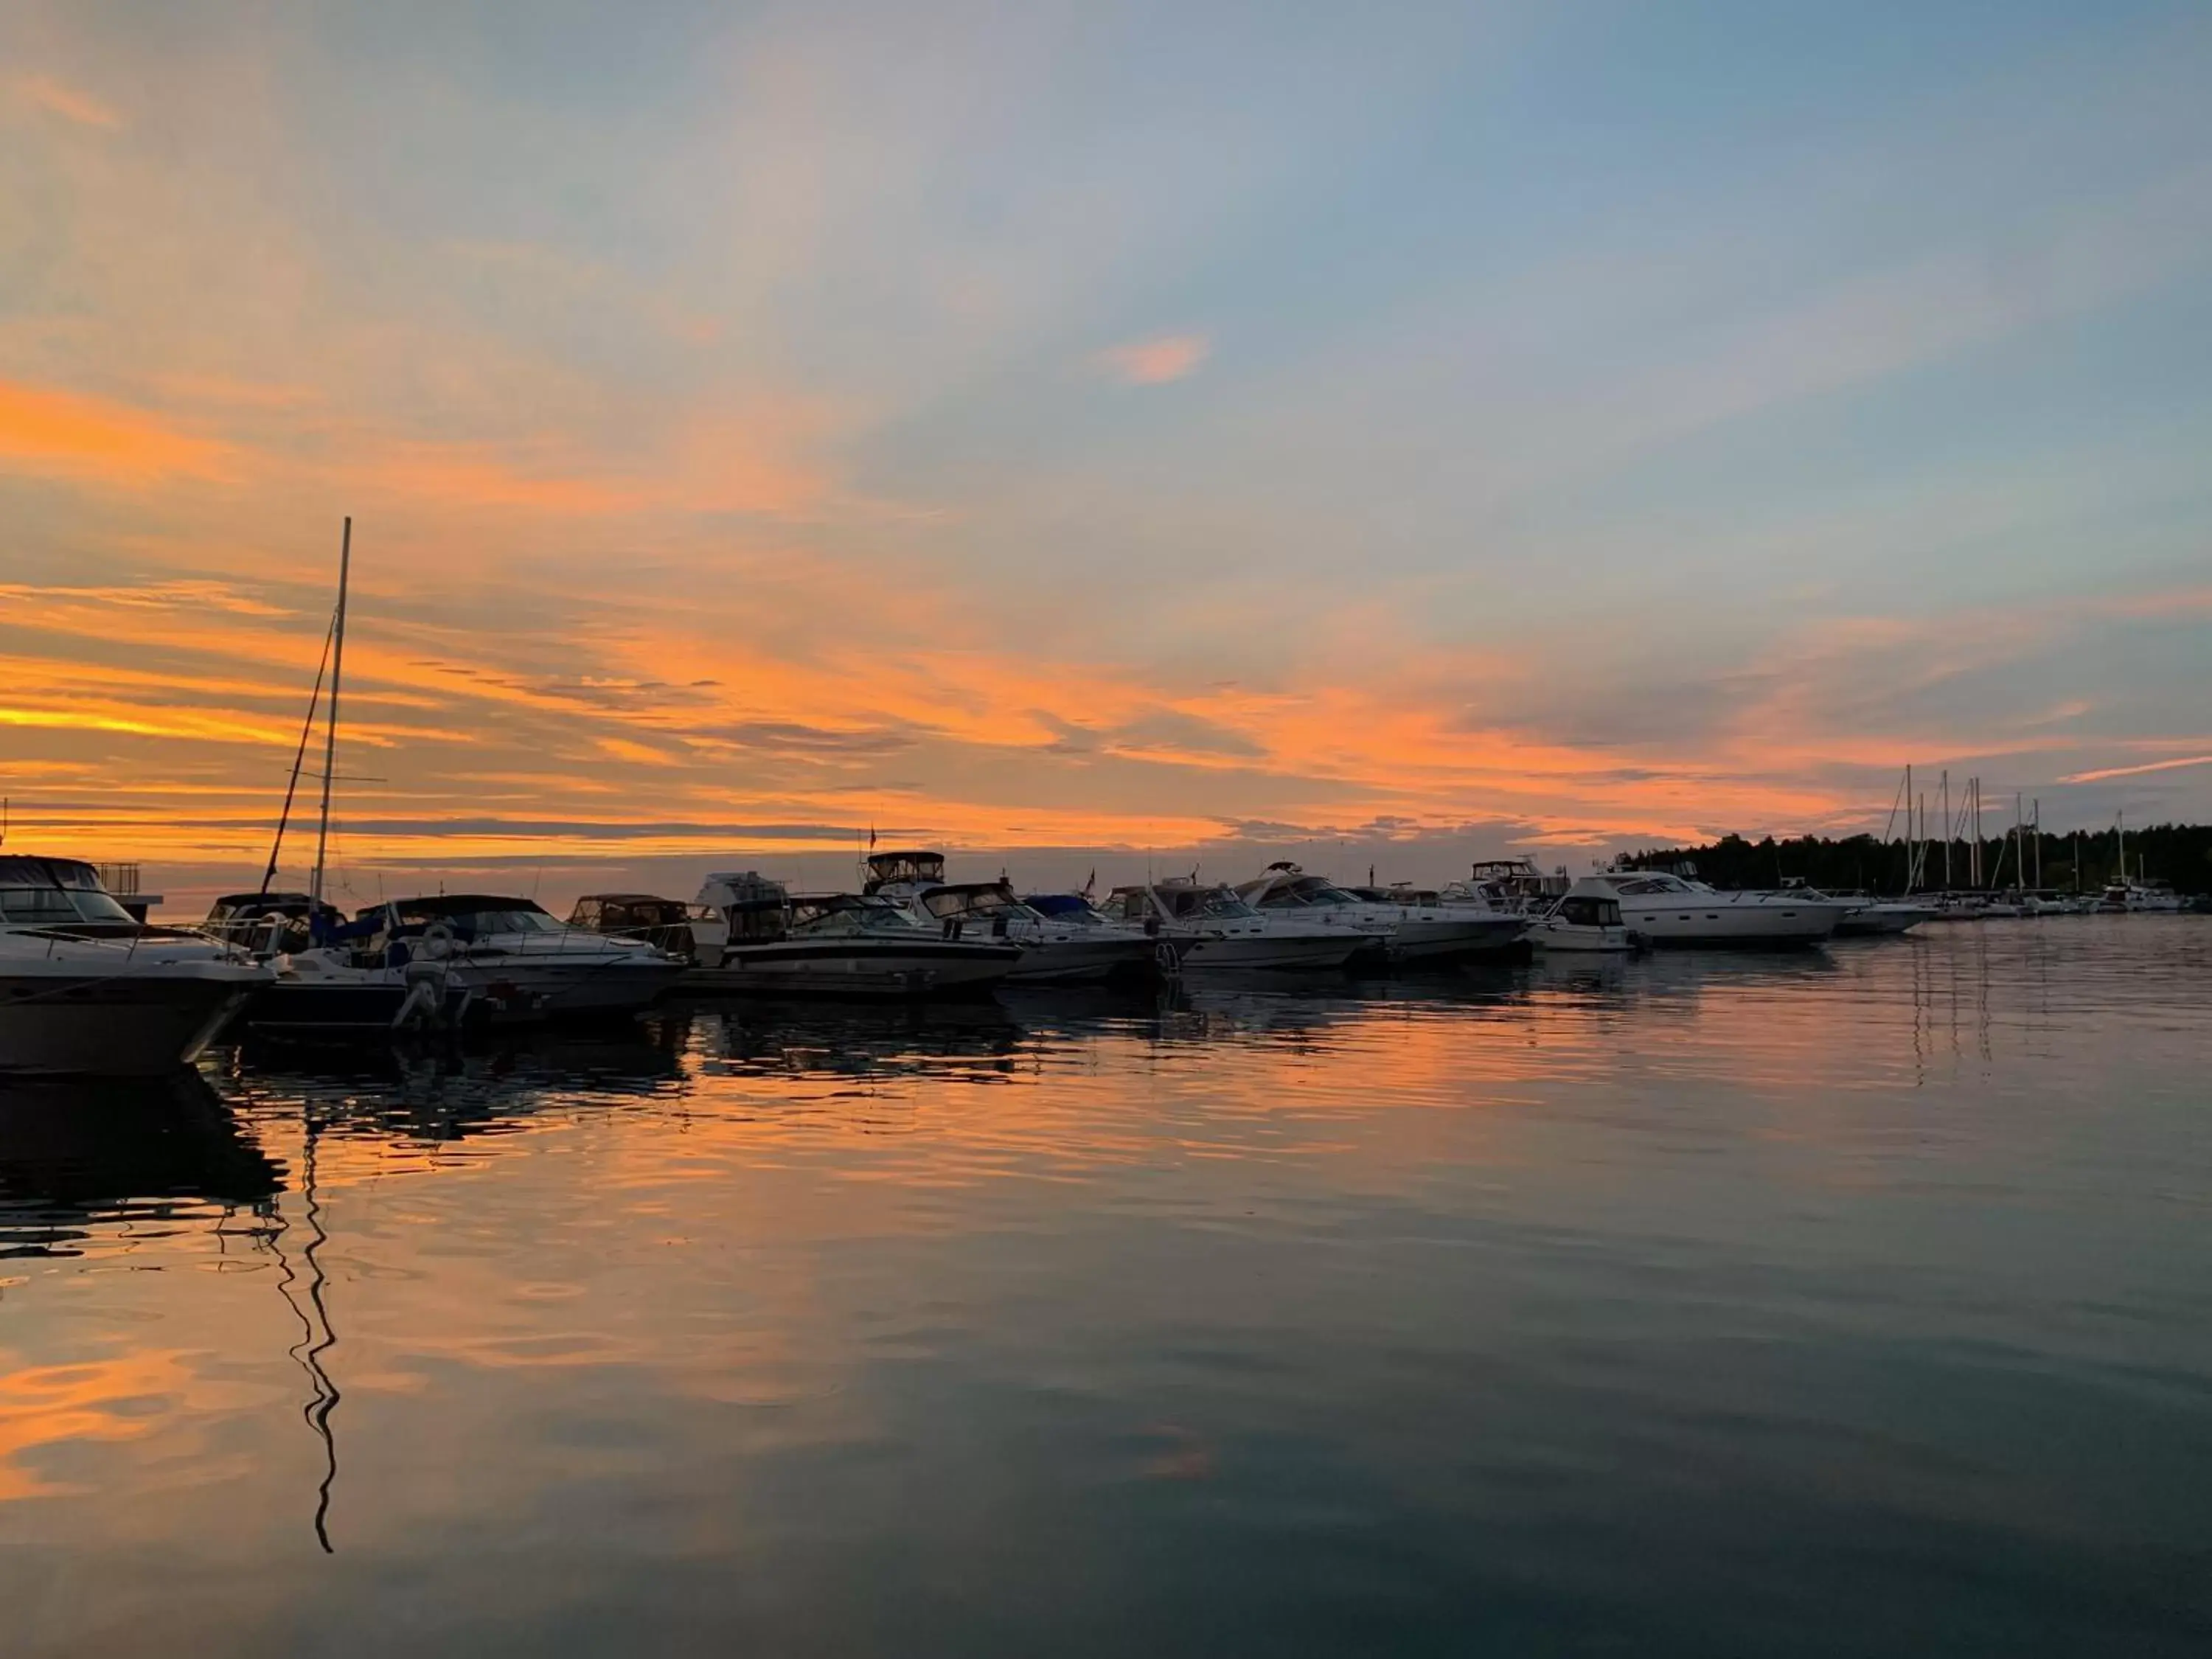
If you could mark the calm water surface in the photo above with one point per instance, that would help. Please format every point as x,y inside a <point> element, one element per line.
<point>1854,1302</point>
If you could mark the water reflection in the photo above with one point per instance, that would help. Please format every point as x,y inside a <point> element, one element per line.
<point>1661,1305</point>
<point>145,1154</point>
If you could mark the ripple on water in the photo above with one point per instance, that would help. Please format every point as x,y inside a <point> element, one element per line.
<point>1852,1301</point>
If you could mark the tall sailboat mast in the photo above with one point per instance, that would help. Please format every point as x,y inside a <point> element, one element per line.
<point>331,739</point>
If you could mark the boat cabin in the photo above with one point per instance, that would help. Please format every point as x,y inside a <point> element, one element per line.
<point>1589,910</point>
<point>1177,901</point>
<point>43,892</point>
<point>1515,879</point>
<point>756,908</point>
<point>918,868</point>
<point>667,924</point>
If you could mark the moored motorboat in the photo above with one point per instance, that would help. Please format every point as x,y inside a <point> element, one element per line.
<point>838,944</point>
<point>86,990</point>
<point>1408,930</point>
<point>1585,919</point>
<point>1210,928</point>
<point>1664,908</point>
<point>1055,950</point>
<point>519,963</point>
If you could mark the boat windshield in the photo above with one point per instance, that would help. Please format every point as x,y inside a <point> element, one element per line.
<point>479,923</point>
<point>1644,887</point>
<point>946,903</point>
<point>1214,902</point>
<point>850,918</point>
<point>47,906</point>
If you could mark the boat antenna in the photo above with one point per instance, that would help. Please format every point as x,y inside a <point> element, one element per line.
<point>330,738</point>
<point>299,756</point>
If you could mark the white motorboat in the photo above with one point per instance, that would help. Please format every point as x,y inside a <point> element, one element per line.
<point>1664,908</point>
<point>1055,950</point>
<point>519,963</point>
<point>86,990</point>
<point>1408,930</point>
<point>1210,926</point>
<point>1587,918</point>
<point>838,944</point>
<point>2130,897</point>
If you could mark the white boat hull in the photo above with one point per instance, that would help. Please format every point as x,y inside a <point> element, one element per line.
<point>1579,939</point>
<point>1711,919</point>
<point>1423,940</point>
<point>1301,951</point>
<point>521,985</point>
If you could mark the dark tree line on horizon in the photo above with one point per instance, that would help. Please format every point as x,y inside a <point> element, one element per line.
<point>2180,853</point>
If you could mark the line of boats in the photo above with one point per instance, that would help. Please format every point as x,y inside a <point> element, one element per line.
<point>86,989</point>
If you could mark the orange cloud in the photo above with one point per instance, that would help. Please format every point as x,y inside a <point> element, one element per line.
<point>1156,362</point>
<point>48,431</point>
<point>68,102</point>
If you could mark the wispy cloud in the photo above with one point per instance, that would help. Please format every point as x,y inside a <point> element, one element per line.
<point>71,103</point>
<point>2132,771</point>
<point>1156,361</point>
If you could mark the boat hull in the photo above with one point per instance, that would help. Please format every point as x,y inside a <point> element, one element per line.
<point>519,988</point>
<point>1419,941</point>
<point>1087,961</point>
<point>1711,921</point>
<point>1295,951</point>
<point>1580,938</point>
<point>116,1025</point>
<point>850,967</point>
<point>1879,919</point>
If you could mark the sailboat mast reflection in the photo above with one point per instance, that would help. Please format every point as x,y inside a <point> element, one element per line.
<point>317,1335</point>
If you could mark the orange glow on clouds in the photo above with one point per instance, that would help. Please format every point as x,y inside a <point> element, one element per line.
<point>793,486</point>
<point>45,430</point>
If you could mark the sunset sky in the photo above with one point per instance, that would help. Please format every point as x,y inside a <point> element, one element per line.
<point>1079,433</point>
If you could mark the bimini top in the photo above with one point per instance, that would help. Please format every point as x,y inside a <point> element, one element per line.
<point>916,865</point>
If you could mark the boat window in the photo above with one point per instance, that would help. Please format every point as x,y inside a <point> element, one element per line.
<point>1220,902</point>
<point>480,923</point>
<point>1583,912</point>
<point>40,905</point>
<point>99,907</point>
